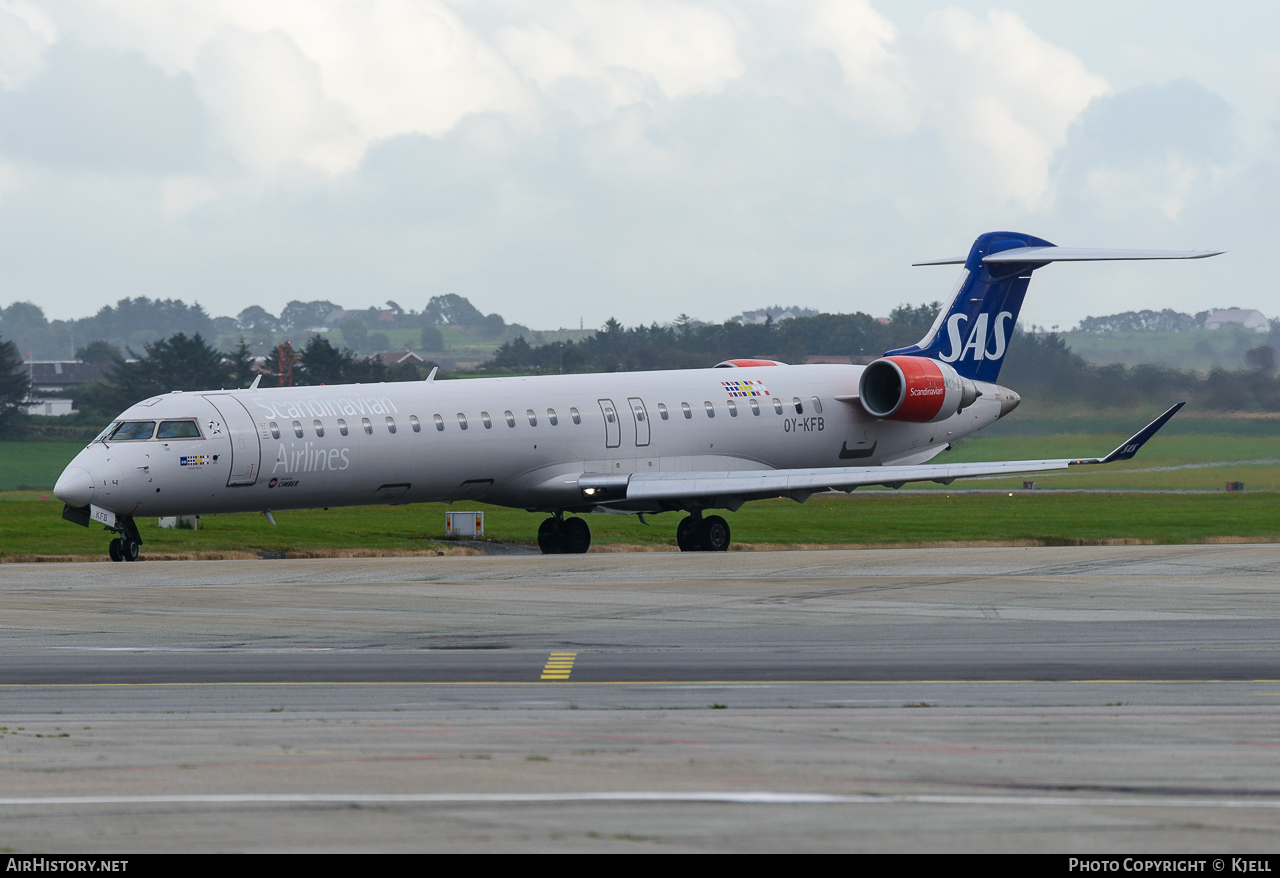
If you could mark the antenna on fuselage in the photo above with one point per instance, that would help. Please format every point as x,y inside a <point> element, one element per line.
<point>434,370</point>
<point>256,380</point>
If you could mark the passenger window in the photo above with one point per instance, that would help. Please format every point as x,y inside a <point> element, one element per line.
<point>297,429</point>
<point>533,419</point>
<point>608,414</point>
<point>777,405</point>
<point>688,412</point>
<point>511,419</point>
<point>132,430</point>
<point>733,409</point>
<point>415,423</point>
<point>319,428</point>
<point>755,407</point>
<point>462,420</point>
<point>711,410</point>
<point>662,411</point>
<point>439,423</point>
<point>817,405</point>
<point>551,417</point>
<point>795,400</point>
<point>368,427</point>
<point>342,427</point>
<point>486,420</point>
<point>577,418</point>
<point>391,425</point>
<point>178,430</point>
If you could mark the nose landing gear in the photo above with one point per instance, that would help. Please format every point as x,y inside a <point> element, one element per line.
<point>564,536</point>
<point>122,549</point>
<point>126,546</point>
<point>698,534</point>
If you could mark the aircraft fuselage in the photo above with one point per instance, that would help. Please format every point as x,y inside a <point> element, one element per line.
<point>519,442</point>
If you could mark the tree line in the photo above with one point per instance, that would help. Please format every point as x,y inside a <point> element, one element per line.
<point>190,363</point>
<point>1039,365</point>
<point>140,321</point>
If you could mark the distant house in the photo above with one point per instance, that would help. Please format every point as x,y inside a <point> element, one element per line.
<point>1229,318</point>
<point>384,316</point>
<point>395,358</point>
<point>57,376</point>
<point>777,313</point>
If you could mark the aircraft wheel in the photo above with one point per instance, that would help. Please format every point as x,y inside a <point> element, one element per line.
<point>715,534</point>
<point>576,536</point>
<point>551,537</point>
<point>114,550</point>
<point>687,534</point>
<point>130,548</point>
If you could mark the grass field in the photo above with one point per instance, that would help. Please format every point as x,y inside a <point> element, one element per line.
<point>30,526</point>
<point>1172,493</point>
<point>1195,461</point>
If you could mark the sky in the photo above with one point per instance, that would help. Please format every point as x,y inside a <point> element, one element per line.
<point>566,162</point>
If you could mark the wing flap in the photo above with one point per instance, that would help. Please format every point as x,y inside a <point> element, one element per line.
<point>782,483</point>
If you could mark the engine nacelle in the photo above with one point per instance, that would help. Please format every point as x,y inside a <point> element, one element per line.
<point>914,389</point>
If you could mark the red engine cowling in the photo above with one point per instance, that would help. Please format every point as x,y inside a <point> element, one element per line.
<point>914,389</point>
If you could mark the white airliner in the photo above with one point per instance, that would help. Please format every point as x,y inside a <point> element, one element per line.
<point>638,442</point>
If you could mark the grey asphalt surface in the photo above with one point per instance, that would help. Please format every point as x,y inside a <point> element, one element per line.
<point>980,699</point>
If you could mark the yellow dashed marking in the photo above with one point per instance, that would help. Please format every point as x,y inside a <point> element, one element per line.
<point>559,665</point>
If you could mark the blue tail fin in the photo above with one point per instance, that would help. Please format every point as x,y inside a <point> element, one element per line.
<point>972,330</point>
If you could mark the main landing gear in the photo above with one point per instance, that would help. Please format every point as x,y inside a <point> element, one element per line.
<point>564,536</point>
<point>128,543</point>
<point>698,534</point>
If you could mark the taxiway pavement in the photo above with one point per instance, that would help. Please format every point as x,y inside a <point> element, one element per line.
<point>1045,699</point>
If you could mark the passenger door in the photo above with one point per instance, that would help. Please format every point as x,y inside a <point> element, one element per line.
<point>246,448</point>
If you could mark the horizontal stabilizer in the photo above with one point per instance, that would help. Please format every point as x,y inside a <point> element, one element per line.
<point>1085,254</point>
<point>1043,255</point>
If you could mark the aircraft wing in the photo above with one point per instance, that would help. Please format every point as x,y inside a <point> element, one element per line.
<point>801,483</point>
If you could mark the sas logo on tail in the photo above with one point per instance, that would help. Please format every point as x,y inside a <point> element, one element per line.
<point>977,337</point>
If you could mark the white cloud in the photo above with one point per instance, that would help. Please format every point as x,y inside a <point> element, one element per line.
<point>25,33</point>
<point>183,194</point>
<point>1004,98</point>
<point>628,50</point>
<point>862,41</point>
<point>632,158</point>
<point>314,81</point>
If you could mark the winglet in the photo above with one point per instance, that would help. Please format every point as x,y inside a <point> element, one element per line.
<point>257,378</point>
<point>432,376</point>
<point>1130,446</point>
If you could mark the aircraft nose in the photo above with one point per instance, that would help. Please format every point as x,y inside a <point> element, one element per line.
<point>74,487</point>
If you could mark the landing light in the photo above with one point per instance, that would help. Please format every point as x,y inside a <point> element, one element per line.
<point>588,491</point>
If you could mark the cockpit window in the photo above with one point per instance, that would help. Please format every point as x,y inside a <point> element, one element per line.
<point>178,430</point>
<point>107,432</point>
<point>133,430</point>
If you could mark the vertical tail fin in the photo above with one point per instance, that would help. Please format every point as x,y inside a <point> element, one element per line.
<point>971,332</point>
